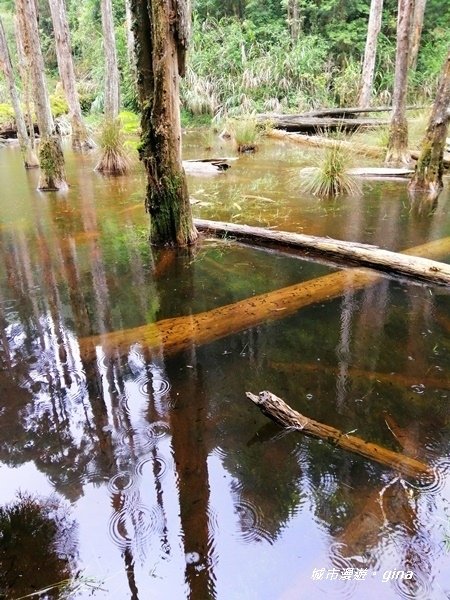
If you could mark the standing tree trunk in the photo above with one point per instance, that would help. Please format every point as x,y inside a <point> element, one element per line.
<point>52,176</point>
<point>293,19</point>
<point>416,33</point>
<point>29,156</point>
<point>370,53</point>
<point>397,152</point>
<point>25,77</point>
<point>112,93</point>
<point>80,136</point>
<point>130,35</point>
<point>429,169</point>
<point>162,30</point>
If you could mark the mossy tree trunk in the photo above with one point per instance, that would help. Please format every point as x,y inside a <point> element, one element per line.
<point>370,53</point>
<point>161,30</point>
<point>52,176</point>
<point>293,19</point>
<point>80,136</point>
<point>430,165</point>
<point>29,157</point>
<point>397,152</point>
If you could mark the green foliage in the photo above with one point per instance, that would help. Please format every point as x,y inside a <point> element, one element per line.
<point>6,114</point>
<point>244,132</point>
<point>114,157</point>
<point>58,104</point>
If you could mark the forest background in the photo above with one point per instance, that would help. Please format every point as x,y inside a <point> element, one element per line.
<point>250,55</point>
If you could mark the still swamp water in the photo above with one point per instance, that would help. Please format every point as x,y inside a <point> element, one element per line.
<point>157,477</point>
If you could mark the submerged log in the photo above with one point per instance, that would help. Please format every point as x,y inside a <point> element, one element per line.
<point>337,112</point>
<point>276,409</point>
<point>422,269</point>
<point>381,173</point>
<point>179,333</point>
<point>318,141</point>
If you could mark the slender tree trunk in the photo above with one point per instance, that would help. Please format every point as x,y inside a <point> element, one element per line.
<point>129,34</point>
<point>397,152</point>
<point>416,33</point>
<point>430,166</point>
<point>370,53</point>
<point>293,19</point>
<point>80,136</point>
<point>162,31</point>
<point>25,77</point>
<point>29,157</point>
<point>51,158</point>
<point>112,71</point>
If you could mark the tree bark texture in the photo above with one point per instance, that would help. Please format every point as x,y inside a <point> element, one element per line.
<point>80,136</point>
<point>293,19</point>
<point>276,409</point>
<point>25,77</point>
<point>112,96</point>
<point>364,255</point>
<point>430,166</point>
<point>416,32</point>
<point>29,157</point>
<point>370,53</point>
<point>179,333</point>
<point>162,30</point>
<point>397,152</point>
<point>51,159</point>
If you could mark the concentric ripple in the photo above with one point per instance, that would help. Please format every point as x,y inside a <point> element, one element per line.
<point>251,523</point>
<point>158,465</point>
<point>134,526</point>
<point>125,481</point>
<point>150,434</point>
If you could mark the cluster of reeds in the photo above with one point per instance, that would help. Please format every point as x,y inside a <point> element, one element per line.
<point>330,177</point>
<point>114,159</point>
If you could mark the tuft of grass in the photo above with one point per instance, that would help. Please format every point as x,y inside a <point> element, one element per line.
<point>114,159</point>
<point>245,133</point>
<point>330,178</point>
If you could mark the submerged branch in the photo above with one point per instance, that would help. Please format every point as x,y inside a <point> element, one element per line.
<point>276,409</point>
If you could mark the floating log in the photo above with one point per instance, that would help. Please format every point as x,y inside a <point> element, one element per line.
<point>206,166</point>
<point>381,172</point>
<point>179,333</point>
<point>276,409</point>
<point>421,269</point>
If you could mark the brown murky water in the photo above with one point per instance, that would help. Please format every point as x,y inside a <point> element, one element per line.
<point>153,476</point>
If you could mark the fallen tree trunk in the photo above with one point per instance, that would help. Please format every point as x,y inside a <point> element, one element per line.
<point>276,409</point>
<point>336,112</point>
<point>422,269</point>
<point>179,333</point>
<point>317,141</point>
<point>315,124</point>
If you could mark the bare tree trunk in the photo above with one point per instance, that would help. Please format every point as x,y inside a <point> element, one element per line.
<point>112,71</point>
<point>416,33</point>
<point>430,166</point>
<point>80,136</point>
<point>293,19</point>
<point>52,176</point>
<point>130,34</point>
<point>29,157</point>
<point>25,77</point>
<point>162,31</point>
<point>370,53</point>
<point>397,152</point>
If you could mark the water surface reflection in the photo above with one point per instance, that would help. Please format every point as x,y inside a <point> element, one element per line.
<point>179,487</point>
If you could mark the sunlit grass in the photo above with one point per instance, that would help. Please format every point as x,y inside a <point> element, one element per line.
<point>245,133</point>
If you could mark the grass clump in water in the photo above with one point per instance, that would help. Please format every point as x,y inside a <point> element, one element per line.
<point>114,158</point>
<point>330,177</point>
<point>245,133</point>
